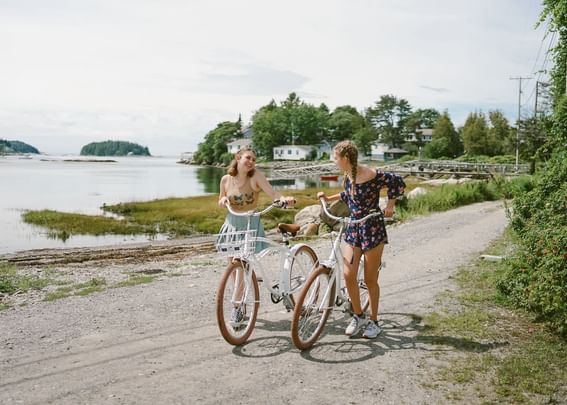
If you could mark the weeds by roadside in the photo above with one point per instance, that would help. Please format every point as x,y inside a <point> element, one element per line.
<point>503,355</point>
<point>13,283</point>
<point>50,286</point>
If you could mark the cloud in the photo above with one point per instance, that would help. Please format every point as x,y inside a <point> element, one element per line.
<point>435,89</point>
<point>165,73</point>
<point>250,80</point>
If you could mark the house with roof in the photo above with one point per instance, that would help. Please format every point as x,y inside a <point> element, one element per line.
<point>247,132</point>
<point>425,134</point>
<point>323,148</point>
<point>302,152</point>
<point>382,151</point>
<point>238,144</point>
<point>293,152</point>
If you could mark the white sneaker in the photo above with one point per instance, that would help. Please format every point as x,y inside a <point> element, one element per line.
<point>356,323</point>
<point>372,330</point>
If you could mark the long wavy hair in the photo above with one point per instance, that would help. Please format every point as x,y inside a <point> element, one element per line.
<point>349,149</point>
<point>233,166</point>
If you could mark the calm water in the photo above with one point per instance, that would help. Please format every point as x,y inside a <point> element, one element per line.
<point>50,182</point>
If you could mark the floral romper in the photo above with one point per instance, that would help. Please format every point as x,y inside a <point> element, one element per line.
<point>372,232</point>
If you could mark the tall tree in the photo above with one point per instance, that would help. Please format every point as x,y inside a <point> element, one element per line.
<point>344,122</point>
<point>498,133</point>
<point>388,115</point>
<point>363,139</point>
<point>422,118</point>
<point>291,122</point>
<point>213,149</point>
<point>445,141</point>
<point>475,134</point>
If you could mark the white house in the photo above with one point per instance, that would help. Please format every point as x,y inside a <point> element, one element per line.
<point>382,151</point>
<point>425,133</point>
<point>187,156</point>
<point>292,152</point>
<point>377,151</point>
<point>323,148</point>
<point>238,144</point>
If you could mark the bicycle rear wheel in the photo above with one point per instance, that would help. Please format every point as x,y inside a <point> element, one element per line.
<point>303,262</point>
<point>238,299</point>
<point>311,313</point>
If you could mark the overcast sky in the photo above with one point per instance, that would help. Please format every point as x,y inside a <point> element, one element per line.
<point>163,73</point>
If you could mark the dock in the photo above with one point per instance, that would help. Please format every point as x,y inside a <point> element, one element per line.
<point>438,168</point>
<point>303,170</point>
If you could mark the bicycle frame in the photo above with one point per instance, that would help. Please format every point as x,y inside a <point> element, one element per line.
<point>334,262</point>
<point>282,289</point>
<point>323,290</point>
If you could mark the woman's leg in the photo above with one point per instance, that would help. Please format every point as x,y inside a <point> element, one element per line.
<point>351,260</point>
<point>372,261</point>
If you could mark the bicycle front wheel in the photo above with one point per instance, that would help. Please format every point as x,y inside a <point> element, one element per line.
<point>303,262</point>
<point>238,299</point>
<point>312,308</point>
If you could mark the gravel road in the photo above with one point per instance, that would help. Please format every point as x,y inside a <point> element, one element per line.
<point>159,342</point>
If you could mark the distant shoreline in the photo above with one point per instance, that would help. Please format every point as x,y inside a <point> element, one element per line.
<point>80,160</point>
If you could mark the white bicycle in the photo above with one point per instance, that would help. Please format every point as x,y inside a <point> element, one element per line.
<point>238,295</point>
<point>323,290</point>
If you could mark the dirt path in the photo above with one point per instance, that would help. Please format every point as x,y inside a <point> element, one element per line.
<point>159,343</point>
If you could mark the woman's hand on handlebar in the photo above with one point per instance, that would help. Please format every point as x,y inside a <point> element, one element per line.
<point>321,195</point>
<point>388,212</point>
<point>223,202</point>
<point>284,202</point>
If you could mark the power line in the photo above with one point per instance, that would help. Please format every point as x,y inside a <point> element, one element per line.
<point>542,70</point>
<point>519,117</point>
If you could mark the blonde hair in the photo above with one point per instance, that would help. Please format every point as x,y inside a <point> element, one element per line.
<point>233,166</point>
<point>349,149</point>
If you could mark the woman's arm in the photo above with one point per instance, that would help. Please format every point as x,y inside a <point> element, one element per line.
<point>263,183</point>
<point>396,187</point>
<point>223,199</point>
<point>330,198</point>
<point>389,209</point>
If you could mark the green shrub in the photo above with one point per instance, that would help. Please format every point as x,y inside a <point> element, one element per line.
<point>536,276</point>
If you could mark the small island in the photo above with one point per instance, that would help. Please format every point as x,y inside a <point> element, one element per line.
<point>114,148</point>
<point>16,147</point>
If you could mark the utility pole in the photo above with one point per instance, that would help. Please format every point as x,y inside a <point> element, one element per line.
<point>536,94</point>
<point>519,116</point>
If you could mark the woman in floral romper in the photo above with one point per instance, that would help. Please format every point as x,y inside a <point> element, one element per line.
<point>362,194</point>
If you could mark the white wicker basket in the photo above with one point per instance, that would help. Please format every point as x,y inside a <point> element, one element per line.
<point>236,243</point>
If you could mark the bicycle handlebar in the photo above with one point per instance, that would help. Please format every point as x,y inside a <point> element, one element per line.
<point>274,204</point>
<point>349,220</point>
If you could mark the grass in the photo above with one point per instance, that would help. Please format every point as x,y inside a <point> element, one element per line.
<point>134,280</point>
<point>503,355</point>
<point>11,282</point>
<point>180,217</point>
<point>80,289</point>
<point>62,224</point>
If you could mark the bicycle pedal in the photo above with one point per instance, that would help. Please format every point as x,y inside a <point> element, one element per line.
<point>288,303</point>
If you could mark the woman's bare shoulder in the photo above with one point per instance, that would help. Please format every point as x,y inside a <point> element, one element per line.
<point>365,173</point>
<point>257,179</point>
<point>224,179</point>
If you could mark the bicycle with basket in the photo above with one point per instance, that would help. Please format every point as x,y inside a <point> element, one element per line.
<point>238,294</point>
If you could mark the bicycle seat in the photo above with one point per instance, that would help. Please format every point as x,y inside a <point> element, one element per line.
<point>292,229</point>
